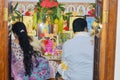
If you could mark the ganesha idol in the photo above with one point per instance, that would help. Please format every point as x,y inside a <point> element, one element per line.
<point>50,47</point>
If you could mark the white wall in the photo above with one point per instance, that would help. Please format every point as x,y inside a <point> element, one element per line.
<point>91,1</point>
<point>117,60</point>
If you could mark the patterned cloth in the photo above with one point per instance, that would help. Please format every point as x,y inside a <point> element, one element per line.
<point>41,72</point>
<point>53,68</point>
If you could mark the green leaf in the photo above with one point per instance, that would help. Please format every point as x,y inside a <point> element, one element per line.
<point>40,1</point>
<point>13,18</point>
<point>15,6</point>
<point>69,13</point>
<point>58,12</point>
<point>65,18</point>
<point>52,18</point>
<point>61,5</point>
<point>62,8</point>
<point>18,13</point>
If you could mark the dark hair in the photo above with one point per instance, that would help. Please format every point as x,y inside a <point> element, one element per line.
<point>24,40</point>
<point>79,24</point>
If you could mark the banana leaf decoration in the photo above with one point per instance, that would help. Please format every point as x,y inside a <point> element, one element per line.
<point>60,25</point>
<point>35,20</point>
<point>54,12</point>
<point>15,13</point>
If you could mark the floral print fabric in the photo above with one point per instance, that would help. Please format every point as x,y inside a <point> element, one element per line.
<point>41,72</point>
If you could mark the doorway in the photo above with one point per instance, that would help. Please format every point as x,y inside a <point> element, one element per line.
<point>107,42</point>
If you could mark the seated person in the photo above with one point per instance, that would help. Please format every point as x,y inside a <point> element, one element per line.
<point>77,54</point>
<point>26,62</point>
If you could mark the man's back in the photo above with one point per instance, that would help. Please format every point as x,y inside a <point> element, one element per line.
<point>78,54</point>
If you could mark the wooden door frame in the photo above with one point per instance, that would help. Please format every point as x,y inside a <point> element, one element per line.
<point>108,40</point>
<point>5,13</point>
<point>4,40</point>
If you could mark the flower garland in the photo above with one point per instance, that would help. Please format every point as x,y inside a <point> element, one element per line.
<point>49,3</point>
<point>51,8</point>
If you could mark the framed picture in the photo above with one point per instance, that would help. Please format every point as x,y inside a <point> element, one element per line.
<point>90,20</point>
<point>28,21</point>
<point>71,19</point>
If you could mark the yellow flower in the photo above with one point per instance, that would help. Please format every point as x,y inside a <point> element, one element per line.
<point>92,32</point>
<point>56,21</point>
<point>95,24</point>
<point>64,66</point>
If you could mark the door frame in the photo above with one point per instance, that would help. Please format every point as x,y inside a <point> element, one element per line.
<point>4,40</point>
<point>108,40</point>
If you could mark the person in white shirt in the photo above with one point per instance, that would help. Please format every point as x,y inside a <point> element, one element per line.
<point>78,54</point>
